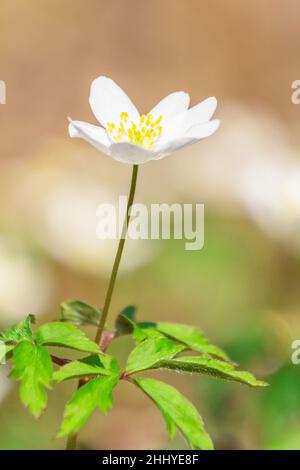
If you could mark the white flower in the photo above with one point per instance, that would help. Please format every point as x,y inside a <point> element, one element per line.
<point>271,194</point>
<point>130,138</point>
<point>26,283</point>
<point>67,229</point>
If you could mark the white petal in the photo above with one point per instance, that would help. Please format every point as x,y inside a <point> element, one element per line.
<point>130,153</point>
<point>173,146</point>
<point>108,101</point>
<point>94,135</point>
<point>200,113</point>
<point>200,131</point>
<point>172,105</point>
<point>195,134</point>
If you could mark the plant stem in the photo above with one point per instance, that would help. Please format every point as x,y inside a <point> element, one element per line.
<point>60,361</point>
<point>117,258</point>
<point>71,442</point>
<point>72,438</point>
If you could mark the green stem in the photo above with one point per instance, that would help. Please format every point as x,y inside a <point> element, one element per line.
<point>71,442</point>
<point>116,265</point>
<point>72,438</point>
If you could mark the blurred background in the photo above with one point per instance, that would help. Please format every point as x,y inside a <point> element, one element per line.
<point>242,289</point>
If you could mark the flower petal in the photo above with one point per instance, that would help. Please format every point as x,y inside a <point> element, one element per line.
<point>172,105</point>
<point>94,135</point>
<point>194,135</point>
<point>173,146</point>
<point>130,153</point>
<point>200,113</point>
<point>108,101</point>
<point>200,131</point>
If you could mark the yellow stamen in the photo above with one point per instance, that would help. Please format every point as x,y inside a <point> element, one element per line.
<point>144,133</point>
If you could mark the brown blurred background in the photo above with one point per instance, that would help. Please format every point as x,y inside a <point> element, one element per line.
<point>243,287</point>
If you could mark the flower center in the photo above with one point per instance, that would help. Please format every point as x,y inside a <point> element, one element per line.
<point>144,133</point>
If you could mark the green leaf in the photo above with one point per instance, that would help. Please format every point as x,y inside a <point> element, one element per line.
<point>170,424</point>
<point>80,313</point>
<point>95,394</point>
<point>33,366</point>
<point>91,365</point>
<point>65,335</point>
<point>19,332</point>
<point>110,363</point>
<point>150,352</point>
<point>125,322</point>
<point>9,348</point>
<point>214,367</point>
<point>2,353</point>
<point>188,335</point>
<point>139,334</point>
<point>177,411</point>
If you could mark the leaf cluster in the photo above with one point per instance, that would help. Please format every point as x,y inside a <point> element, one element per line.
<point>170,346</point>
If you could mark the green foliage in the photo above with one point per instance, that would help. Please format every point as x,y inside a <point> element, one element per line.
<point>97,393</point>
<point>177,411</point>
<point>125,322</point>
<point>188,335</point>
<point>66,336</point>
<point>159,345</point>
<point>80,313</point>
<point>210,366</point>
<point>33,366</point>
<point>89,366</point>
<point>9,348</point>
<point>19,332</point>
<point>141,333</point>
<point>150,352</point>
<point>192,337</point>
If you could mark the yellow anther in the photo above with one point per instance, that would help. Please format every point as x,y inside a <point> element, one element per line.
<point>124,116</point>
<point>144,133</point>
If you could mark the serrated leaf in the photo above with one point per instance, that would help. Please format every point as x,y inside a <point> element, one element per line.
<point>91,365</point>
<point>139,334</point>
<point>170,424</point>
<point>97,393</point>
<point>33,366</point>
<point>19,332</point>
<point>150,352</point>
<point>110,363</point>
<point>9,348</point>
<point>188,335</point>
<point>125,322</point>
<point>80,313</point>
<point>213,367</point>
<point>65,335</point>
<point>178,410</point>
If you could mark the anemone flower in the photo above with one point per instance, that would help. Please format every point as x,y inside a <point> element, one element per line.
<point>129,137</point>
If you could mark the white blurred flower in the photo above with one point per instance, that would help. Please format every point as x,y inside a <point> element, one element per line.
<point>271,194</point>
<point>26,285</point>
<point>67,226</point>
<point>249,137</point>
<point>56,198</point>
<point>130,138</point>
